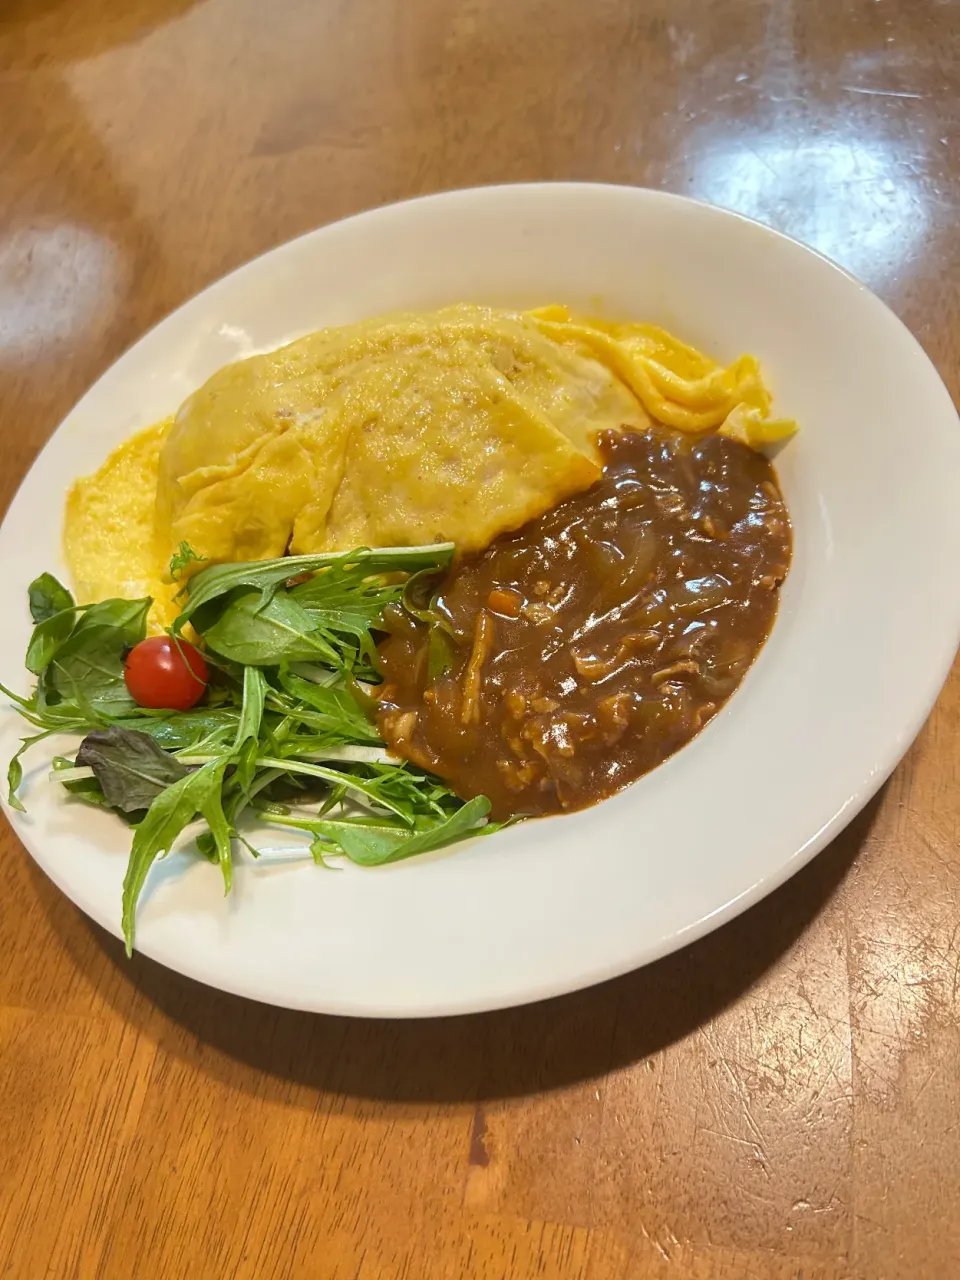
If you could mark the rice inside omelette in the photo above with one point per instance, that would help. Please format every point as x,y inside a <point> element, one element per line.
<point>454,425</point>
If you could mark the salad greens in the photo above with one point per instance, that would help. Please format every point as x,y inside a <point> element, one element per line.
<point>284,730</point>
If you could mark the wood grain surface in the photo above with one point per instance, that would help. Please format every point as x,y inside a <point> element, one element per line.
<point>781,1100</point>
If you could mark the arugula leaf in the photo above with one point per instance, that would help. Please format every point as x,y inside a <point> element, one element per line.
<point>254,699</point>
<point>248,728</point>
<point>15,770</point>
<point>218,580</point>
<point>48,597</point>
<point>131,769</point>
<point>337,711</point>
<point>348,597</point>
<point>49,635</point>
<point>241,799</point>
<point>465,821</point>
<point>185,730</point>
<point>15,776</point>
<point>419,595</point>
<point>420,796</point>
<point>207,846</point>
<point>171,811</point>
<point>355,784</point>
<point>87,668</point>
<point>369,847</point>
<point>441,651</point>
<point>56,719</point>
<point>260,634</point>
<point>211,806</point>
<point>372,843</point>
<point>420,601</point>
<point>245,764</point>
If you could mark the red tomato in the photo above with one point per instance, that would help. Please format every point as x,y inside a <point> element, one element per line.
<point>160,672</point>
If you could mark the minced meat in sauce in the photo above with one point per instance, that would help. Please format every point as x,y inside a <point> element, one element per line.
<point>579,652</point>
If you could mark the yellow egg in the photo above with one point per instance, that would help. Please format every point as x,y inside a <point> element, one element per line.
<point>676,384</point>
<point>108,529</point>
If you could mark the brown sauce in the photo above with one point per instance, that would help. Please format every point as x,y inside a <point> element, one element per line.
<point>598,639</point>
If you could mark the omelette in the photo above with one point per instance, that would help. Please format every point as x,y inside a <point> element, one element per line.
<point>108,529</point>
<point>455,425</point>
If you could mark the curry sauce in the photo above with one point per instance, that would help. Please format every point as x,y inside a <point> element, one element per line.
<point>576,654</point>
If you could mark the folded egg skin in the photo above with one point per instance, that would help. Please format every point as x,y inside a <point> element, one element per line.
<point>455,425</point>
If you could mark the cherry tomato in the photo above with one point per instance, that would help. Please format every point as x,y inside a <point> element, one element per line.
<point>160,672</point>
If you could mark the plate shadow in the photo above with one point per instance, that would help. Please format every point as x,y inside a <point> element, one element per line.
<point>470,1058</point>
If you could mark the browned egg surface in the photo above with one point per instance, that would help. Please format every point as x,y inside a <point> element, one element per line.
<point>598,639</point>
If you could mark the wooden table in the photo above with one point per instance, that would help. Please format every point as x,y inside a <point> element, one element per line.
<point>780,1100</point>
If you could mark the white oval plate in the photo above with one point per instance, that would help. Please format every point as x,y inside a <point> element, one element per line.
<point>869,620</point>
